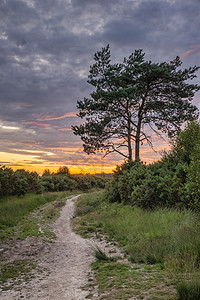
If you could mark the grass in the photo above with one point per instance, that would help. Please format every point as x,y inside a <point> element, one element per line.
<point>118,280</point>
<point>101,255</point>
<point>15,218</point>
<point>35,219</point>
<point>188,290</point>
<point>165,237</point>
<point>13,273</point>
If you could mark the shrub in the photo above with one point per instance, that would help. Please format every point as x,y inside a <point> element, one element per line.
<point>47,183</point>
<point>19,182</point>
<point>144,186</point>
<point>88,181</point>
<point>111,193</point>
<point>191,189</point>
<point>57,183</point>
<point>7,181</point>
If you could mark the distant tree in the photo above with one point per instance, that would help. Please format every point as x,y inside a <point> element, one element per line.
<point>63,171</point>
<point>21,185</point>
<point>130,97</point>
<point>46,172</point>
<point>18,182</point>
<point>34,183</point>
<point>6,181</point>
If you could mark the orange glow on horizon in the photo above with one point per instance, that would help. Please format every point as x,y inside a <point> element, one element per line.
<point>32,163</point>
<point>74,158</point>
<point>79,169</point>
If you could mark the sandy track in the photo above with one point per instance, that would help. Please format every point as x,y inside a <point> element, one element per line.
<point>68,260</point>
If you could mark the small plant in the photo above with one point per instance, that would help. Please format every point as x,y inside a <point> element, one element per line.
<point>188,290</point>
<point>101,255</point>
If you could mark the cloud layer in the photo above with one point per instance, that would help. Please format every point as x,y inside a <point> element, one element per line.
<point>46,48</point>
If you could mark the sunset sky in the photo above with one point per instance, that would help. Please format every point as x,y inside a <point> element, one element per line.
<point>46,48</point>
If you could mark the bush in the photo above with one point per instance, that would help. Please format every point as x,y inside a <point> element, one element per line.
<point>19,182</point>
<point>173,181</point>
<point>57,183</point>
<point>47,183</point>
<point>6,181</point>
<point>144,186</point>
<point>111,193</point>
<point>191,189</point>
<point>88,181</point>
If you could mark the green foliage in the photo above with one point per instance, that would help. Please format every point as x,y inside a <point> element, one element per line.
<point>144,186</point>
<point>19,182</point>
<point>57,182</point>
<point>46,172</point>
<point>88,203</point>
<point>191,189</point>
<point>6,176</point>
<point>13,208</point>
<point>89,181</point>
<point>186,155</point>
<point>130,95</point>
<point>162,243</point>
<point>185,142</point>
<point>118,280</point>
<point>11,273</point>
<point>172,182</point>
<point>64,181</point>
<point>101,255</point>
<point>188,290</point>
<point>63,170</point>
<point>112,191</point>
<point>47,183</point>
<point>167,236</point>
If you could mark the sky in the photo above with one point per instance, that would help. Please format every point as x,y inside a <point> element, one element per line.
<point>46,49</point>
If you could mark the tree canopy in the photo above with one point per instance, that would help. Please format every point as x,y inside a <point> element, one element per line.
<point>129,98</point>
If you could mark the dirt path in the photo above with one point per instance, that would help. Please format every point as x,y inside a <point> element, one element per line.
<point>68,260</point>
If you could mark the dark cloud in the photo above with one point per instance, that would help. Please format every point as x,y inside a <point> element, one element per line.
<point>46,48</point>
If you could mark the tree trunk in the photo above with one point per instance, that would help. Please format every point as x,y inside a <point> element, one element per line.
<point>137,138</point>
<point>130,156</point>
<point>137,146</point>
<point>129,149</point>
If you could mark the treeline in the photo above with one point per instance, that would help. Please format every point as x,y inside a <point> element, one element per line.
<point>174,181</point>
<point>20,182</point>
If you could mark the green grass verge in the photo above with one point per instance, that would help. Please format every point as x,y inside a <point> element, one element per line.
<point>16,218</point>
<point>118,280</point>
<point>188,290</point>
<point>35,220</point>
<point>13,273</point>
<point>165,237</point>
